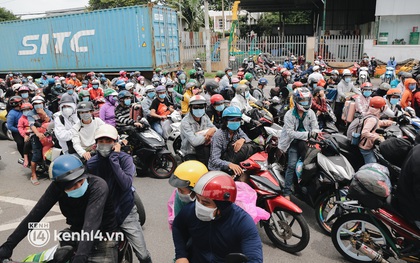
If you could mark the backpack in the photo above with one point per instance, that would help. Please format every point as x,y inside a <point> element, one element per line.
<point>354,131</point>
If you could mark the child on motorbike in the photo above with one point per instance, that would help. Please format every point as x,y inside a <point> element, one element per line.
<point>25,131</point>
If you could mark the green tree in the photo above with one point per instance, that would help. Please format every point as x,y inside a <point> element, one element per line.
<point>105,4</point>
<point>191,12</point>
<point>6,15</point>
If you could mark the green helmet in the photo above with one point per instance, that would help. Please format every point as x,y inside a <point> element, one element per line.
<point>157,70</point>
<point>248,76</point>
<point>192,73</point>
<point>109,92</point>
<point>220,74</point>
<point>83,93</point>
<point>165,72</point>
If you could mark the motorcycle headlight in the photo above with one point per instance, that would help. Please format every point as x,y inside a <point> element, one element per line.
<point>263,165</point>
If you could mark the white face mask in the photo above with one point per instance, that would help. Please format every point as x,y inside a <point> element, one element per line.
<point>185,198</point>
<point>67,112</point>
<point>203,212</point>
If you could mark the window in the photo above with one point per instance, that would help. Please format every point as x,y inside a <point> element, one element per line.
<point>220,23</point>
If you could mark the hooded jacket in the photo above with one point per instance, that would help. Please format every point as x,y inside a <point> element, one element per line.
<point>407,96</point>
<point>107,113</point>
<point>368,134</point>
<point>343,87</point>
<point>62,131</point>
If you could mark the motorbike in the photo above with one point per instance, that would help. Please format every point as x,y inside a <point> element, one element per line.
<point>199,74</point>
<point>261,117</point>
<point>259,72</point>
<point>355,70</point>
<point>363,76</point>
<point>376,235</point>
<point>389,75</point>
<point>149,151</point>
<point>4,131</point>
<point>286,227</point>
<point>415,71</point>
<point>173,142</point>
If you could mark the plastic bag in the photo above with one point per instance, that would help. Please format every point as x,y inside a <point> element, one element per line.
<point>246,198</point>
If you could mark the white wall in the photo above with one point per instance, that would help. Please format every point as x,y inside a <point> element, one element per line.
<point>397,7</point>
<point>383,52</point>
<point>399,26</point>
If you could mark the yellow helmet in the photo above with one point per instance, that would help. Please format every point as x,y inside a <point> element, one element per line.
<point>187,174</point>
<point>244,81</point>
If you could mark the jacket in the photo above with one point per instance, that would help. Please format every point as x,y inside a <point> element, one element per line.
<point>23,127</point>
<point>214,115</point>
<point>189,128</point>
<point>225,81</point>
<point>232,231</point>
<point>319,106</point>
<point>96,93</point>
<point>362,104</point>
<point>12,120</point>
<point>76,83</point>
<point>63,132</point>
<point>291,124</point>
<point>407,96</point>
<point>368,134</point>
<point>118,171</point>
<point>240,102</point>
<point>84,135</point>
<point>343,87</point>
<point>145,106</point>
<point>186,101</point>
<point>107,113</point>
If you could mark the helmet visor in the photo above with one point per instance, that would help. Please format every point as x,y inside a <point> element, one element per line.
<point>178,183</point>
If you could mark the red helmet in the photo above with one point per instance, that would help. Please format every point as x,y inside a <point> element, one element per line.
<point>367,85</point>
<point>216,185</point>
<point>23,89</point>
<point>90,74</point>
<point>122,72</point>
<point>73,75</point>
<point>217,98</point>
<point>15,101</point>
<point>297,84</point>
<point>286,73</point>
<point>377,102</point>
<point>319,57</point>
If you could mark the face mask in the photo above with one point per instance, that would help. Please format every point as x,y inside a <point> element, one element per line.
<point>127,102</point>
<point>26,112</point>
<point>220,107</point>
<point>30,81</point>
<point>104,149</point>
<point>141,82</point>
<point>170,89</point>
<point>195,91</point>
<point>85,116</point>
<point>70,92</point>
<point>314,85</point>
<point>247,94</point>
<point>24,95</point>
<point>347,80</point>
<point>412,86</point>
<point>235,85</point>
<point>38,106</point>
<point>182,81</point>
<point>95,86</point>
<point>151,95</point>
<point>367,93</point>
<point>79,192</point>
<point>230,74</point>
<point>185,198</point>
<point>304,103</point>
<point>198,112</point>
<point>84,86</point>
<point>86,98</point>
<point>67,112</point>
<point>162,96</point>
<point>233,125</point>
<point>204,213</point>
<point>58,86</point>
<point>394,101</point>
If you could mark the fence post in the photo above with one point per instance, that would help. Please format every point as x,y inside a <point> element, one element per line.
<point>224,52</point>
<point>310,48</point>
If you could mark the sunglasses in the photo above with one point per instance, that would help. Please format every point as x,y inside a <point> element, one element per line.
<point>198,107</point>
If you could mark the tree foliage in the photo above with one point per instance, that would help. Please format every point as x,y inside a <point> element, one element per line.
<point>6,15</point>
<point>191,12</point>
<point>105,4</point>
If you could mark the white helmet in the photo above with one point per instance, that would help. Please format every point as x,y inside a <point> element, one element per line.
<point>16,87</point>
<point>346,72</point>
<point>150,88</point>
<point>106,130</point>
<point>38,99</point>
<point>316,62</point>
<point>129,86</point>
<point>29,77</point>
<point>197,100</point>
<point>363,74</point>
<point>315,68</point>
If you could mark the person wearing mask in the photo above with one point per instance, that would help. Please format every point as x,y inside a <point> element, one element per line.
<point>215,109</point>
<point>219,76</point>
<point>147,101</point>
<point>85,84</point>
<point>123,76</point>
<point>107,111</point>
<point>229,133</point>
<point>170,93</point>
<point>197,131</point>
<point>344,88</point>
<point>334,78</point>
<point>258,93</point>
<point>407,96</point>
<point>314,77</point>
<point>362,101</point>
<point>210,88</point>
<point>160,109</point>
<point>392,63</point>
<point>23,92</point>
<point>13,117</point>
<point>86,205</point>
<point>122,112</point>
<point>117,169</point>
<point>227,227</point>
<point>242,99</point>
<point>71,93</point>
<point>281,82</point>
<point>319,105</point>
<point>183,179</point>
<point>180,87</point>
<point>371,121</point>
<point>25,131</point>
<point>393,97</point>
<point>84,95</point>
<point>64,120</point>
<point>225,81</point>
<point>140,87</point>
<point>300,125</point>
<point>288,64</point>
<point>84,131</point>
<point>32,86</point>
<point>95,91</point>
<point>44,82</point>
<point>191,89</point>
<point>74,81</point>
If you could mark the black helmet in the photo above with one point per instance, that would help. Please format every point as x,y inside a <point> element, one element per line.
<point>85,106</point>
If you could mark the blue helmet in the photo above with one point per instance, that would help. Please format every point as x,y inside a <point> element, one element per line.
<point>120,83</point>
<point>232,111</point>
<point>160,88</point>
<point>263,81</point>
<point>66,168</point>
<point>124,94</point>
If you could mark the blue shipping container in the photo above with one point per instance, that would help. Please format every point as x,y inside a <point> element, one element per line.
<point>131,38</point>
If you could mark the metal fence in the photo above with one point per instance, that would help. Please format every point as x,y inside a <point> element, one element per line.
<point>277,47</point>
<point>194,46</point>
<point>340,48</point>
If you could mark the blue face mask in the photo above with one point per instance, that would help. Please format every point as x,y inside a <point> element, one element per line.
<point>58,86</point>
<point>230,74</point>
<point>38,106</point>
<point>235,85</point>
<point>220,107</point>
<point>151,95</point>
<point>86,98</point>
<point>233,125</point>
<point>314,85</point>
<point>394,101</point>
<point>95,86</point>
<point>304,103</point>
<point>247,94</point>
<point>347,80</point>
<point>26,112</point>
<point>70,92</point>
<point>412,86</point>
<point>162,96</point>
<point>127,102</point>
<point>367,93</point>
<point>84,86</point>
<point>24,95</point>
<point>79,192</point>
<point>198,112</point>
<point>182,81</point>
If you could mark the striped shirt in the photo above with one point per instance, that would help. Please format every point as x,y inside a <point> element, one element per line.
<point>122,117</point>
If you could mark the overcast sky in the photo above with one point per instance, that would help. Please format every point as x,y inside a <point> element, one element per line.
<point>36,6</point>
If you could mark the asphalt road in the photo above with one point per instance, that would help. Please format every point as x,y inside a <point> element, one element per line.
<point>18,196</point>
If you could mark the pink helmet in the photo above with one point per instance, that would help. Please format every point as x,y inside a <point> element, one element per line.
<point>23,88</point>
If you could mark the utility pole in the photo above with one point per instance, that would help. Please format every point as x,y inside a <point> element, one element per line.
<point>223,20</point>
<point>324,15</point>
<point>207,27</point>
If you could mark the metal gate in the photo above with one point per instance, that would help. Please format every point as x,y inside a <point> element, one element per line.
<point>194,46</point>
<point>340,48</point>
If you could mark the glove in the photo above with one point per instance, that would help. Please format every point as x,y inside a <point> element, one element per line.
<point>5,253</point>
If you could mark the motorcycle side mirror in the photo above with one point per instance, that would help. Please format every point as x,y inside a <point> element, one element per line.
<point>380,131</point>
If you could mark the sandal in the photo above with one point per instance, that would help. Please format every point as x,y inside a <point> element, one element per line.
<point>34,181</point>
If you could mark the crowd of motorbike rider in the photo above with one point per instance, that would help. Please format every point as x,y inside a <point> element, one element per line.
<point>90,114</point>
